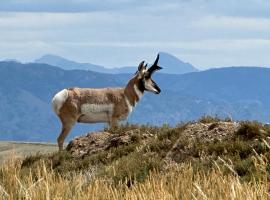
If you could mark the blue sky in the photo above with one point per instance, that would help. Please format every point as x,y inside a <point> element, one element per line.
<point>206,33</point>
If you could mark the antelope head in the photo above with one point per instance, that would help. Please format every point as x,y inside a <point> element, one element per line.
<point>145,76</point>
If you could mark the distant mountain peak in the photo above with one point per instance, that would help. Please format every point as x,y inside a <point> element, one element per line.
<point>67,64</point>
<point>47,57</point>
<point>51,56</point>
<point>56,60</point>
<point>12,60</point>
<point>170,63</point>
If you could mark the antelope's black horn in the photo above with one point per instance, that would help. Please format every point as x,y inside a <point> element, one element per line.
<point>156,61</point>
<point>154,67</point>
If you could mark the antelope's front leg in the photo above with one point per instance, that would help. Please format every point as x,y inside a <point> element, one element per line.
<point>112,122</point>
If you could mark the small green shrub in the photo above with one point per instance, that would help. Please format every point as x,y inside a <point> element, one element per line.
<point>213,125</point>
<point>29,160</point>
<point>209,119</point>
<point>132,167</point>
<point>244,167</point>
<point>230,148</point>
<point>250,130</point>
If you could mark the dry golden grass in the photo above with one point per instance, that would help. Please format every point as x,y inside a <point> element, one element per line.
<point>178,181</point>
<point>238,168</point>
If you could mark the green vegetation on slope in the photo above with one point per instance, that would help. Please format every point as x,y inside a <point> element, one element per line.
<point>169,160</point>
<point>142,155</point>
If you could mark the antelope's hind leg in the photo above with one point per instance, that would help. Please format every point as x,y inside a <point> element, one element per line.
<point>112,123</point>
<point>66,127</point>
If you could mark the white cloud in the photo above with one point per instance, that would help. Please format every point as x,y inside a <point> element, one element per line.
<point>233,23</point>
<point>204,32</point>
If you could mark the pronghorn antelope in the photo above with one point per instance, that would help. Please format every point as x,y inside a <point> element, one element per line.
<point>109,105</point>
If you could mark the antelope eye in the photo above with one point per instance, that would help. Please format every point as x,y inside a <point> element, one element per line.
<point>147,76</point>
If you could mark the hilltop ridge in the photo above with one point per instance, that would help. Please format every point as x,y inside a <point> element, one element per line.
<point>165,162</point>
<point>144,148</point>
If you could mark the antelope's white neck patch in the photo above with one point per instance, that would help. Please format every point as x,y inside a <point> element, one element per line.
<point>130,107</point>
<point>137,91</point>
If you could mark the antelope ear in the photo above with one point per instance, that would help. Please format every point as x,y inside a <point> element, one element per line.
<point>141,66</point>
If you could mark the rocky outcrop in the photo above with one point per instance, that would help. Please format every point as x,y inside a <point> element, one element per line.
<point>98,141</point>
<point>193,133</point>
<point>209,132</point>
<point>201,133</point>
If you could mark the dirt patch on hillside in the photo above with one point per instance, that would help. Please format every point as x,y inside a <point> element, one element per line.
<point>99,141</point>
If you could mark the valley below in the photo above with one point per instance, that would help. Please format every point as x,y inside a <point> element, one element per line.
<point>22,149</point>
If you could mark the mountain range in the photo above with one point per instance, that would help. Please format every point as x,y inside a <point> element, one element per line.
<point>171,64</point>
<point>241,93</point>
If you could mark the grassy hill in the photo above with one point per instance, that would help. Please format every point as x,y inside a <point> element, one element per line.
<point>207,159</point>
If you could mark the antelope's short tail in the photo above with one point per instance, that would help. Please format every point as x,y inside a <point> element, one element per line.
<point>58,100</point>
